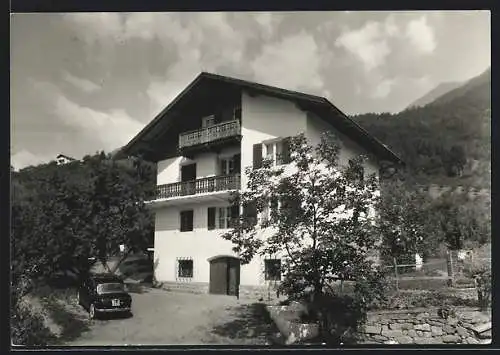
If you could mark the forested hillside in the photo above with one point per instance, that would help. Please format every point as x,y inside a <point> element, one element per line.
<point>62,215</point>
<point>448,141</point>
<point>432,95</point>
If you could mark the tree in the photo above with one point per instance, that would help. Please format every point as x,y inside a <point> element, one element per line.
<point>459,220</point>
<point>62,215</point>
<point>321,219</point>
<point>405,221</point>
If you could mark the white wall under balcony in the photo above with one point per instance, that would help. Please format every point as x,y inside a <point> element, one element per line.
<point>168,171</point>
<point>207,164</point>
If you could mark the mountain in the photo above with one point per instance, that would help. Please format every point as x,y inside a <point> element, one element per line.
<point>432,95</point>
<point>446,142</point>
<point>479,87</point>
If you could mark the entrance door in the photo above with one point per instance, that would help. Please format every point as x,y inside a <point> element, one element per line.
<point>188,175</point>
<point>224,275</point>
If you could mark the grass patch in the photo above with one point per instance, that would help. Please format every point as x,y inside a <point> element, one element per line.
<point>72,325</point>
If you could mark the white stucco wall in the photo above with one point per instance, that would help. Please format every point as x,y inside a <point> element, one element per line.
<point>349,149</point>
<point>168,171</point>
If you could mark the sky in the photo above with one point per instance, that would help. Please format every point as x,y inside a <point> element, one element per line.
<point>86,82</point>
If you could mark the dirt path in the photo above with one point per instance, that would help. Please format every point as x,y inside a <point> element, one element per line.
<point>169,318</point>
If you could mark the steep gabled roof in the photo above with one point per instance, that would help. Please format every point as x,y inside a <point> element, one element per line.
<point>319,105</point>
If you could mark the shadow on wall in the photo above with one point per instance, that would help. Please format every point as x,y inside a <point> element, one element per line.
<point>251,323</point>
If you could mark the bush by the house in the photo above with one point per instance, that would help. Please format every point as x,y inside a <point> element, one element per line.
<point>28,328</point>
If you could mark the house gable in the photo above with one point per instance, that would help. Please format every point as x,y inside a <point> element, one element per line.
<point>158,140</point>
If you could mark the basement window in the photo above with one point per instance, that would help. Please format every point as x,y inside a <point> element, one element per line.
<point>185,268</point>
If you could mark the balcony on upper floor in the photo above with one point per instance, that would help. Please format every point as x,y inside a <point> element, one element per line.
<point>200,190</point>
<point>216,133</point>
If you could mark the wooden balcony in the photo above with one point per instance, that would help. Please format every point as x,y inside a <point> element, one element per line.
<point>199,186</point>
<point>213,133</point>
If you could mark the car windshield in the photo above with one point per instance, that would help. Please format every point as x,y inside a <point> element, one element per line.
<point>110,287</point>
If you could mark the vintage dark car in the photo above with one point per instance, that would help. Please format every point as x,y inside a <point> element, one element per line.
<point>104,294</point>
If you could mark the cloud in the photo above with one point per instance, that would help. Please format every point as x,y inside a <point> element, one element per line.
<point>97,26</point>
<point>421,35</point>
<point>383,89</point>
<point>112,129</point>
<point>80,83</point>
<point>369,44</point>
<point>24,158</point>
<point>267,22</point>
<point>294,62</point>
<point>106,130</point>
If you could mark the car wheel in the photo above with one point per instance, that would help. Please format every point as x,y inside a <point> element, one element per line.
<point>92,311</point>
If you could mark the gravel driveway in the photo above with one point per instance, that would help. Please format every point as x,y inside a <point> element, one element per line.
<point>171,318</point>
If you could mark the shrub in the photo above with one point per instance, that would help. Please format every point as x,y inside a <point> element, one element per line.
<point>28,328</point>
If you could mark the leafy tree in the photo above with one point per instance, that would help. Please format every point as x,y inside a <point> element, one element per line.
<point>404,221</point>
<point>460,221</point>
<point>62,215</point>
<point>320,220</point>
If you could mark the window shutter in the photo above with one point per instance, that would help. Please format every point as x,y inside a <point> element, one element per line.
<point>211,218</point>
<point>237,163</point>
<point>257,156</point>
<point>286,159</point>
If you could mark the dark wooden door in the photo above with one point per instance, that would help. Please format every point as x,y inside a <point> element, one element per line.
<point>233,276</point>
<point>218,276</point>
<point>188,172</point>
<point>188,175</point>
<point>224,276</point>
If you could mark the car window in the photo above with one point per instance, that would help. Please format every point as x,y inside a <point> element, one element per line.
<point>110,287</point>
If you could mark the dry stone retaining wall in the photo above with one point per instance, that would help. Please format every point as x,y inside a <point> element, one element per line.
<point>425,326</point>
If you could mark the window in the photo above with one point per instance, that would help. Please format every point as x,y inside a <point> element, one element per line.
<point>272,269</point>
<point>185,268</point>
<point>231,165</point>
<point>208,121</point>
<point>187,221</point>
<point>272,205</point>
<point>278,151</point>
<point>227,166</point>
<point>222,217</point>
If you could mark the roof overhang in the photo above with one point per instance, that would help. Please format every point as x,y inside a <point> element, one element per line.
<point>208,82</point>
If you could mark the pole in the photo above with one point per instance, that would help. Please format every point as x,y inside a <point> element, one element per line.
<point>396,273</point>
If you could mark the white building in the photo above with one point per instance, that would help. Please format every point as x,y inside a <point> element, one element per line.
<point>63,159</point>
<point>202,142</point>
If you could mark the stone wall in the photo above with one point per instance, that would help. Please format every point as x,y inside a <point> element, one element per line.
<point>426,326</point>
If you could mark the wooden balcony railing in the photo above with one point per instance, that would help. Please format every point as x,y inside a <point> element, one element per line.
<point>199,186</point>
<point>210,134</point>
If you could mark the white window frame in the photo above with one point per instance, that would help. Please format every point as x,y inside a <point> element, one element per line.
<point>225,165</point>
<point>273,146</point>
<point>265,215</point>
<point>224,216</point>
